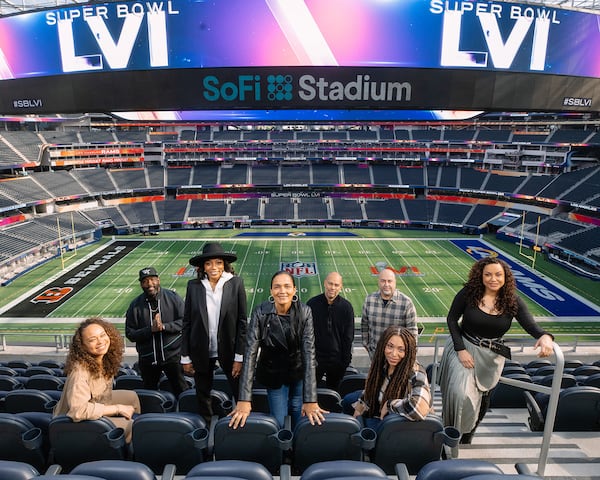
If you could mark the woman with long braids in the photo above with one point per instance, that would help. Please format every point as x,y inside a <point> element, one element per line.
<point>396,383</point>
<point>475,352</point>
<point>283,329</point>
<point>92,363</point>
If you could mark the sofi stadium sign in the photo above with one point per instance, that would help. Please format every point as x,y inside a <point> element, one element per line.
<point>308,88</point>
<point>165,54</point>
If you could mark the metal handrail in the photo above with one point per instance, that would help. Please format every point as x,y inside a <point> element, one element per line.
<point>553,391</point>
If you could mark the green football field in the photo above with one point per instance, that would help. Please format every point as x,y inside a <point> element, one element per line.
<point>430,269</point>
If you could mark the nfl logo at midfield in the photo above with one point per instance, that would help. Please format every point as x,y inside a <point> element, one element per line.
<point>299,269</point>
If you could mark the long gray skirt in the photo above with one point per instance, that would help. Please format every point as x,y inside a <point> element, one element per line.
<point>462,388</point>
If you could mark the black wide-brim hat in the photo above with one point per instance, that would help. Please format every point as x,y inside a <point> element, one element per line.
<point>212,250</point>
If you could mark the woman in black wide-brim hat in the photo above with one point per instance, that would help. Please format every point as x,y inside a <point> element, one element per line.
<point>214,323</point>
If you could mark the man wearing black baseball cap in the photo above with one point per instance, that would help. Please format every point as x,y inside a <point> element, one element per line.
<point>153,321</point>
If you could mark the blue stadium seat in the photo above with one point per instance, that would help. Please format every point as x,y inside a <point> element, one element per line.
<point>10,470</point>
<point>121,470</point>
<point>22,441</point>
<point>228,469</point>
<point>415,444</point>
<point>578,410</point>
<point>259,440</point>
<point>73,443</point>
<point>177,438</point>
<point>342,469</point>
<point>339,437</point>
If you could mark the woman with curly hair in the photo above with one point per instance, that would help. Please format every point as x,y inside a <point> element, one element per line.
<point>475,352</point>
<point>396,383</point>
<point>93,361</point>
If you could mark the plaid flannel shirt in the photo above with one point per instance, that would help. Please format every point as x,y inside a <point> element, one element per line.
<point>418,403</point>
<point>377,316</point>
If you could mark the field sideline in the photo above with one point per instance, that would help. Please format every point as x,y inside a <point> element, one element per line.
<point>430,269</point>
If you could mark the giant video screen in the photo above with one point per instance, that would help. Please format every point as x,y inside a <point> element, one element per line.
<point>299,54</point>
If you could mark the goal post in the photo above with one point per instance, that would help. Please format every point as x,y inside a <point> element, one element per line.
<point>536,248</point>
<point>61,246</point>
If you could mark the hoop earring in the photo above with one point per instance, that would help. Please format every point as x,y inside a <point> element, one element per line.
<point>271,299</point>
<point>295,298</point>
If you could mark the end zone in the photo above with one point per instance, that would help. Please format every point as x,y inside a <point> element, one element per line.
<point>554,298</point>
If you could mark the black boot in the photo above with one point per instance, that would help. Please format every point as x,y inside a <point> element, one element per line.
<point>467,438</point>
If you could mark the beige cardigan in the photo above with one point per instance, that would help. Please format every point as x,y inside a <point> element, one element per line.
<point>86,398</point>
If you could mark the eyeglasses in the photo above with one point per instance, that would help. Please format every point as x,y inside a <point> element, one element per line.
<point>392,348</point>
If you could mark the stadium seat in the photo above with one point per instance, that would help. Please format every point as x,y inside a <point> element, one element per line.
<point>329,400</point>
<point>543,371</point>
<point>72,443</point>
<point>21,364</point>
<point>8,383</point>
<point>221,383</point>
<point>592,381</point>
<point>187,402</point>
<point>585,371</point>
<point>156,401</point>
<point>221,403</point>
<point>339,437</point>
<point>10,470</point>
<point>121,470</point>
<point>342,469</point>
<point>508,396</point>
<point>38,370</point>
<point>229,469</point>
<point>400,440</point>
<point>165,386</point>
<point>177,438</point>
<point>9,372</point>
<point>44,381</point>
<point>259,440</point>
<point>129,382</point>
<point>502,476</point>
<point>572,364</point>
<point>352,383</point>
<point>533,365</point>
<point>455,469</point>
<point>512,369</point>
<point>567,380</point>
<point>27,400</point>
<point>22,441</point>
<point>68,476</point>
<point>578,410</point>
<point>54,364</point>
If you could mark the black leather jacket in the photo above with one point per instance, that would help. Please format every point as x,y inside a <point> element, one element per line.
<point>283,358</point>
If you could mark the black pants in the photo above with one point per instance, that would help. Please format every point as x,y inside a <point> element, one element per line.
<point>333,375</point>
<point>173,370</point>
<point>204,384</point>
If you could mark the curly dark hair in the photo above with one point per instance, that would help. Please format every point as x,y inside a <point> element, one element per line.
<point>400,380</point>
<point>228,267</point>
<point>78,354</point>
<point>506,299</point>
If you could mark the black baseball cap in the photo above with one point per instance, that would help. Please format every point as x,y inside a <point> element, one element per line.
<point>148,272</point>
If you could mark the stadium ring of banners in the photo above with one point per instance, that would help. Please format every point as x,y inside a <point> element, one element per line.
<point>299,54</point>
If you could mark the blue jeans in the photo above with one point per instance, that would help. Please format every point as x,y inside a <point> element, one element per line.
<point>349,399</point>
<point>286,400</point>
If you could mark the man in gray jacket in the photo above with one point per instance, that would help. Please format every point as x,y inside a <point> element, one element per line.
<point>153,321</point>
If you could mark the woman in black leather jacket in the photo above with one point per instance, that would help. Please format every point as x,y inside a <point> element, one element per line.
<point>283,329</point>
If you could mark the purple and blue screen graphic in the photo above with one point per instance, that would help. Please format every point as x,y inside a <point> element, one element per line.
<point>179,34</point>
<point>340,115</point>
<point>549,295</point>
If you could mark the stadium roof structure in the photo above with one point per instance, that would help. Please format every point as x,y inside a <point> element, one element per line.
<point>9,7</point>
